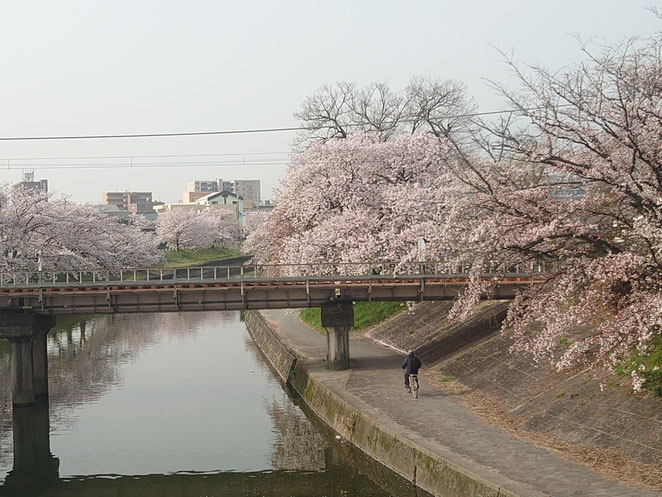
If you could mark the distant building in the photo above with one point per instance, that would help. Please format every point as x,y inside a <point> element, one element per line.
<point>264,205</point>
<point>30,184</point>
<point>565,187</point>
<point>114,211</point>
<point>247,189</point>
<point>135,202</point>
<point>192,197</point>
<point>200,186</point>
<point>222,198</point>
<point>194,206</point>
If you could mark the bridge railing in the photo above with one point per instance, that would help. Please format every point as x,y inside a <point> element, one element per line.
<point>363,270</point>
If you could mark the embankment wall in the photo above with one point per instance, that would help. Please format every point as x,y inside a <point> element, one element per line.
<point>409,459</point>
<point>279,355</point>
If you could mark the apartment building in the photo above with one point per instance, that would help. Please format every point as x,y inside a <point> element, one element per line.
<point>248,189</point>
<point>136,202</point>
<point>29,183</point>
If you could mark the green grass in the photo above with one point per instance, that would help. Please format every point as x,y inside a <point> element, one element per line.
<point>365,314</point>
<point>193,257</point>
<point>651,360</point>
<point>448,377</point>
<point>312,316</point>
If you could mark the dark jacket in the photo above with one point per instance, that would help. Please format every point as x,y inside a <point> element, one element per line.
<point>411,364</point>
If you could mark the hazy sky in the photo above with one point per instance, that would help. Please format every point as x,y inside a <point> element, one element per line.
<point>90,67</point>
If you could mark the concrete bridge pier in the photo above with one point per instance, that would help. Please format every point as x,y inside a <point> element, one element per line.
<point>41,325</point>
<point>26,332</point>
<point>20,376</point>
<point>337,319</point>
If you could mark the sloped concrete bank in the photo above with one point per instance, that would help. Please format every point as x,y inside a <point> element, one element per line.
<point>411,460</point>
<point>279,355</point>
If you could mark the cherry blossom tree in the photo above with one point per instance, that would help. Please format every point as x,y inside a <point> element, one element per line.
<point>435,106</point>
<point>224,225</point>
<point>255,219</point>
<point>570,182</point>
<point>184,228</point>
<point>573,181</point>
<point>357,199</point>
<point>62,235</point>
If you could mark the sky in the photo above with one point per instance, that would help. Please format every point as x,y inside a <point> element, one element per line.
<point>143,66</point>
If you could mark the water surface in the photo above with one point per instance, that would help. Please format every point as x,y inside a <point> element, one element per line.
<point>172,404</point>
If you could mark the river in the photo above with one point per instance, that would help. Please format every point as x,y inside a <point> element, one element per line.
<point>172,404</point>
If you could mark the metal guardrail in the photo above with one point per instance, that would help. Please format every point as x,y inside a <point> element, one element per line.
<point>280,272</point>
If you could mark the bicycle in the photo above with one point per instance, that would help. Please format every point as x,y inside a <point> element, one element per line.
<point>413,385</point>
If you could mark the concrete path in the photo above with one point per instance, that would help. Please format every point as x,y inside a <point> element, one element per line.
<point>375,385</point>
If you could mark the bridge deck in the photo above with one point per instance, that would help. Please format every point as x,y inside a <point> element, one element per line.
<point>225,288</point>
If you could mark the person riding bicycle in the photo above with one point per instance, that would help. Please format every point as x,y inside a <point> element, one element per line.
<point>410,365</point>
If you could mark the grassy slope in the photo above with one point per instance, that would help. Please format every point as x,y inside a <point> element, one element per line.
<point>192,257</point>
<point>365,314</point>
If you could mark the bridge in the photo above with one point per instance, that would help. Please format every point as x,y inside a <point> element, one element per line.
<point>30,300</point>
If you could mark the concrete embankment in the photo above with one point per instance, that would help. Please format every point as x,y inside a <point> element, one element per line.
<point>279,355</point>
<point>433,441</point>
<point>401,455</point>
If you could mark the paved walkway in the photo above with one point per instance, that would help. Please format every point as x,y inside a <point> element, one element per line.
<point>375,385</point>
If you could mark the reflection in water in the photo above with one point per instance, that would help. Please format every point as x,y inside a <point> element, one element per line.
<point>298,445</point>
<point>35,471</point>
<point>172,404</point>
<point>34,466</point>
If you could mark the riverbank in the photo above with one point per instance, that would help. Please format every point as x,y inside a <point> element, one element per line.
<point>433,441</point>
<point>590,417</point>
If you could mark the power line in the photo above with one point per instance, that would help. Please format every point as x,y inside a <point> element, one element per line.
<point>81,157</point>
<point>133,163</point>
<point>139,166</point>
<point>241,131</point>
<point>150,135</point>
